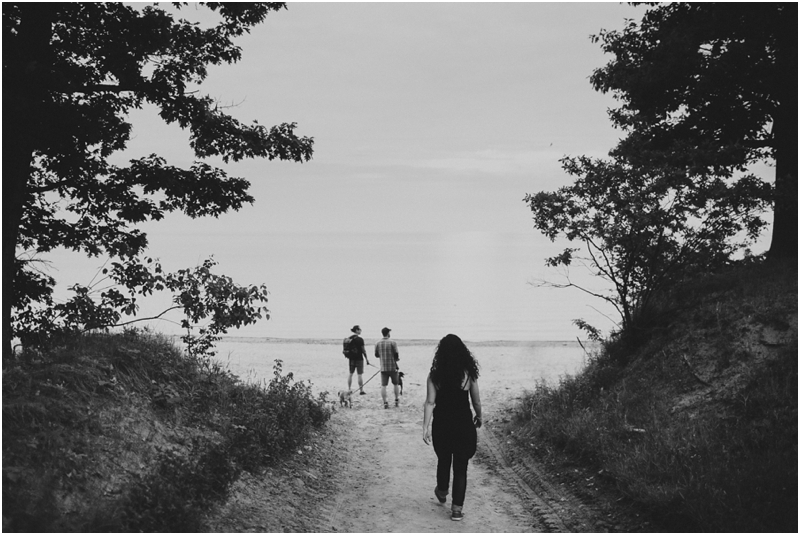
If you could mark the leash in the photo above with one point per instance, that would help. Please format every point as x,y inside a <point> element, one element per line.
<point>371,378</point>
<point>368,380</point>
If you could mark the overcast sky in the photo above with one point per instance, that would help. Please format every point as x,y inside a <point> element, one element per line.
<point>431,123</point>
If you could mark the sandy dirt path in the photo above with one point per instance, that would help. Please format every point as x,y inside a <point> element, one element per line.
<point>368,471</point>
<point>386,484</point>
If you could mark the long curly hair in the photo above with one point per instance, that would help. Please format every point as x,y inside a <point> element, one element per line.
<point>451,361</point>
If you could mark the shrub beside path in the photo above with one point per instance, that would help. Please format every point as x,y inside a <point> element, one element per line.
<point>369,471</point>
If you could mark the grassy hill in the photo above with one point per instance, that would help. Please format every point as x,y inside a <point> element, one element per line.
<point>126,433</point>
<point>693,417</point>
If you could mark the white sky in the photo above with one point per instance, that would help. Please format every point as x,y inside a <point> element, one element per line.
<point>429,120</point>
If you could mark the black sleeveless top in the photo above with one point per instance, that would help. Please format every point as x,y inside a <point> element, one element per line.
<point>453,430</point>
<point>452,404</point>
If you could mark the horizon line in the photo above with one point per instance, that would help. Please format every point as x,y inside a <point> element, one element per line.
<point>408,340</point>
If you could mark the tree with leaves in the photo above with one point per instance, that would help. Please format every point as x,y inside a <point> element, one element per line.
<point>707,90</point>
<point>643,231</point>
<point>711,87</point>
<point>71,74</point>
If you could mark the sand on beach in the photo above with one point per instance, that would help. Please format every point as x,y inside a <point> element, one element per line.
<point>507,368</point>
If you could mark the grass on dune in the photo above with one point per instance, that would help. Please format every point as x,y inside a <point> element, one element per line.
<point>127,433</point>
<point>694,417</point>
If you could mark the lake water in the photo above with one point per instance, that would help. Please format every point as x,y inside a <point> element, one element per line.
<point>507,369</point>
<point>422,285</point>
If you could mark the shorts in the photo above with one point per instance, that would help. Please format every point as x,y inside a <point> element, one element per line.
<point>357,365</point>
<point>385,378</point>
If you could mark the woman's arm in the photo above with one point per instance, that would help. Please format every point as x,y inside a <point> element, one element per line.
<point>475,394</point>
<point>430,403</point>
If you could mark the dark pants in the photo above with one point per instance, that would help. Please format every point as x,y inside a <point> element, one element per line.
<point>459,475</point>
<point>454,441</point>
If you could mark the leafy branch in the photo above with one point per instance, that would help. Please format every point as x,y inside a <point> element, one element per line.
<point>201,294</point>
<point>644,228</point>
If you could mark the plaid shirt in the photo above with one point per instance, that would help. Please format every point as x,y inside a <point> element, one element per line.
<point>386,351</point>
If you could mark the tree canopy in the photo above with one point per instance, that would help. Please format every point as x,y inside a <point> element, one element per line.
<point>706,90</point>
<point>71,73</point>
<point>713,87</point>
<point>643,231</point>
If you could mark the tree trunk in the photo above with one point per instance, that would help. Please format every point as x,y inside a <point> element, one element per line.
<point>16,169</point>
<point>26,70</point>
<point>784,229</point>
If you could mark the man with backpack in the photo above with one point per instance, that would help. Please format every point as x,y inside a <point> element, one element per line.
<point>356,354</point>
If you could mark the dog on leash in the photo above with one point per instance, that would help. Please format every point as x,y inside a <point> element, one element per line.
<point>346,398</point>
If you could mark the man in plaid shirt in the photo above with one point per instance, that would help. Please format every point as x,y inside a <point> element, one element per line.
<point>386,351</point>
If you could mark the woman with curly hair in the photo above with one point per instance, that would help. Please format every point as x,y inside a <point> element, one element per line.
<point>452,381</point>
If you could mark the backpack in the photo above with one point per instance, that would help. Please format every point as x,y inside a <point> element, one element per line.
<point>349,348</point>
